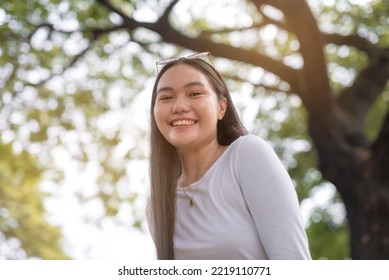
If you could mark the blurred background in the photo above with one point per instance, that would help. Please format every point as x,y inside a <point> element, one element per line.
<point>311,77</point>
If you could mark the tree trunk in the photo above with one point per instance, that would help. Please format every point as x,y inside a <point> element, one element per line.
<point>360,174</point>
<point>367,215</point>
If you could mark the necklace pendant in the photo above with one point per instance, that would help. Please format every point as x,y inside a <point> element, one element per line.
<point>191,203</point>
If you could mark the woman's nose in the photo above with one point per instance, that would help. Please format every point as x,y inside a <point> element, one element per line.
<point>180,106</point>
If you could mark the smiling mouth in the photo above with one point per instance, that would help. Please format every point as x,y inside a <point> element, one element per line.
<point>183,123</point>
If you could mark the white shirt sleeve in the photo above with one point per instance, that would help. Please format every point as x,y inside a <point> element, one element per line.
<point>272,201</point>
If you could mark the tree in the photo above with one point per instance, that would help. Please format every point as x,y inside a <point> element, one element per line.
<point>333,58</point>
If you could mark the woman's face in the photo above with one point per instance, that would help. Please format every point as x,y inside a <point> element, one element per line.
<point>186,108</point>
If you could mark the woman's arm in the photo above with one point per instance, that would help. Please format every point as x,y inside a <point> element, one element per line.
<point>271,200</point>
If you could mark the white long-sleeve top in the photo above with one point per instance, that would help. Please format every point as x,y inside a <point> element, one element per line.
<point>245,207</point>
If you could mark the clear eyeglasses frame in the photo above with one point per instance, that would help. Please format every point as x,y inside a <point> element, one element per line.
<point>203,55</point>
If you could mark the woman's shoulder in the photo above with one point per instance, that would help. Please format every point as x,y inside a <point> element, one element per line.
<point>250,140</point>
<point>252,146</point>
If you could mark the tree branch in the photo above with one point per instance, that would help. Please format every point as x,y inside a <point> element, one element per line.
<point>353,41</point>
<point>227,51</point>
<point>358,98</point>
<point>266,21</point>
<point>70,64</point>
<point>317,95</point>
<point>96,33</point>
<point>275,3</point>
<point>257,85</point>
<point>164,19</point>
<point>170,35</point>
<point>127,21</point>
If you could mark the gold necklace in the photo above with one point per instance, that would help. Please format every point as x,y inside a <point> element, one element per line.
<point>213,159</point>
<point>191,201</point>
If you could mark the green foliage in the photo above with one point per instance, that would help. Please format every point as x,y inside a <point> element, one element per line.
<point>22,213</point>
<point>376,115</point>
<point>328,240</point>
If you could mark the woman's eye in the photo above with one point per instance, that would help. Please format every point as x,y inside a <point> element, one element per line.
<point>164,98</point>
<point>195,93</point>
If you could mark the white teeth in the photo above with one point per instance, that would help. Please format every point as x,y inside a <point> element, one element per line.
<point>183,122</point>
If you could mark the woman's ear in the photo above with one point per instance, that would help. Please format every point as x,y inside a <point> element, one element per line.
<point>222,108</point>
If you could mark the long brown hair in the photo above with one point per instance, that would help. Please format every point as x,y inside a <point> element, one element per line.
<point>165,166</point>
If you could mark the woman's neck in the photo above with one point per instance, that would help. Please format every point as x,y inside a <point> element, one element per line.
<point>196,162</point>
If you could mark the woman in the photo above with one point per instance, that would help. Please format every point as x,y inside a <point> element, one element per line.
<point>216,192</point>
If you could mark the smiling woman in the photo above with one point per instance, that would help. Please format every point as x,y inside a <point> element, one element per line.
<point>187,109</point>
<point>216,193</point>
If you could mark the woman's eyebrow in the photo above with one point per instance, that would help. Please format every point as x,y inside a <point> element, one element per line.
<point>165,89</point>
<point>187,85</point>
<point>190,84</point>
